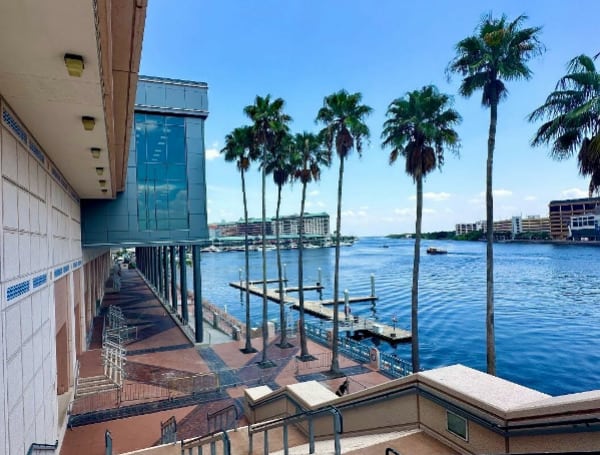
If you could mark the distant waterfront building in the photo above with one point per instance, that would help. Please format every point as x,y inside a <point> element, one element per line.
<point>515,225</point>
<point>561,213</point>
<point>465,228</point>
<point>314,224</point>
<point>585,227</point>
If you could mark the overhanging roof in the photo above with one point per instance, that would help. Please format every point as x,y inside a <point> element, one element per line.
<point>34,37</point>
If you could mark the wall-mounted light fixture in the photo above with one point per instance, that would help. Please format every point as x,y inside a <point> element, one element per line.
<point>95,152</point>
<point>102,183</point>
<point>88,123</point>
<point>99,170</point>
<point>104,190</point>
<point>74,64</point>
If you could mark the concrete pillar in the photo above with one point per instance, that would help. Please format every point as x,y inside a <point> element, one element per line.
<point>198,317</point>
<point>183,284</point>
<point>173,278</point>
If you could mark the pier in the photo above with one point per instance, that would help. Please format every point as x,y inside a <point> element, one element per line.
<point>323,310</point>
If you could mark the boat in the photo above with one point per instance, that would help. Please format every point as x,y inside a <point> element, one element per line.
<point>432,250</point>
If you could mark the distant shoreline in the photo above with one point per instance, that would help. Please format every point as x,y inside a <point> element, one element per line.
<point>526,241</point>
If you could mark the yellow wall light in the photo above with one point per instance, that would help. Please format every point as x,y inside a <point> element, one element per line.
<point>88,123</point>
<point>95,152</point>
<point>74,64</point>
<point>99,170</point>
<point>102,183</point>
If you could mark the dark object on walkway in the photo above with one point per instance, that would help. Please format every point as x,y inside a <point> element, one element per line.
<point>344,388</point>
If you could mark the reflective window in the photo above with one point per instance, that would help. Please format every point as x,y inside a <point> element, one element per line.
<point>161,172</point>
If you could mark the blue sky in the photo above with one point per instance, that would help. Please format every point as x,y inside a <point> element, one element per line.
<point>303,50</point>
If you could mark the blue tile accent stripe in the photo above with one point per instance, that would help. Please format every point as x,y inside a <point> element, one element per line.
<point>40,280</point>
<point>15,126</point>
<point>76,264</point>
<point>58,272</point>
<point>37,152</point>
<point>16,290</point>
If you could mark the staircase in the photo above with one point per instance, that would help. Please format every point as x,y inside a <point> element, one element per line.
<point>92,385</point>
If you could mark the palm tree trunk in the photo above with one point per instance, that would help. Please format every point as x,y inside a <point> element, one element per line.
<point>303,344</point>
<point>489,205</point>
<point>248,349</point>
<point>414,307</point>
<point>335,367</point>
<point>265,326</point>
<point>282,322</point>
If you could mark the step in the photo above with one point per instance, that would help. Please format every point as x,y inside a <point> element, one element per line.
<point>91,379</point>
<point>94,390</point>
<point>348,444</point>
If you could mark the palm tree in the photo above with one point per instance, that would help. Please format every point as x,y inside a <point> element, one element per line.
<point>573,113</point>
<point>418,128</point>
<point>311,158</point>
<point>268,129</point>
<point>498,51</point>
<point>239,147</point>
<point>343,116</point>
<point>279,163</point>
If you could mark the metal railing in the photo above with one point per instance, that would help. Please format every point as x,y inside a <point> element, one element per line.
<point>209,439</point>
<point>284,422</point>
<point>168,431</point>
<point>223,419</point>
<point>394,366</point>
<point>36,446</point>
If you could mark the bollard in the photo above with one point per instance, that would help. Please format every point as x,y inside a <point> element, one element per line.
<point>346,303</point>
<point>372,285</point>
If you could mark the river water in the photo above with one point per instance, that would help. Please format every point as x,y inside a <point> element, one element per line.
<point>547,300</point>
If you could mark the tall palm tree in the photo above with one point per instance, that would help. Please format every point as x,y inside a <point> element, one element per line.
<point>269,129</point>
<point>418,128</point>
<point>499,51</point>
<point>239,147</point>
<point>279,164</point>
<point>343,116</point>
<point>312,156</point>
<point>573,113</point>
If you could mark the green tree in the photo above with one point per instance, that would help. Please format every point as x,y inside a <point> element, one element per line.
<point>280,165</point>
<point>239,147</point>
<point>269,129</point>
<point>418,128</point>
<point>311,158</point>
<point>343,116</point>
<point>573,113</point>
<point>499,51</point>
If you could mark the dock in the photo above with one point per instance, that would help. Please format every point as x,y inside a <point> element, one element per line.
<point>323,310</point>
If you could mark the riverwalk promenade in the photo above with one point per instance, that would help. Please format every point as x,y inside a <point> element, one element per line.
<point>167,376</point>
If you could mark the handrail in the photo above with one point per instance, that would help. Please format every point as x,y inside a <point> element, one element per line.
<point>41,446</point>
<point>390,451</point>
<point>220,412</point>
<point>208,438</point>
<point>338,428</point>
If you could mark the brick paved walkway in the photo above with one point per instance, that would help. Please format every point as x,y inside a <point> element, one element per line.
<point>162,351</point>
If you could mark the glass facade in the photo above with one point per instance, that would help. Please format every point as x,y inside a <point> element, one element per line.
<point>162,187</point>
<point>164,201</point>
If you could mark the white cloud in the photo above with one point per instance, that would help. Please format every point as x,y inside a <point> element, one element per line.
<point>348,213</point>
<point>364,207</point>
<point>320,203</point>
<point>431,196</point>
<point>308,204</point>
<point>429,211</point>
<point>574,193</point>
<point>211,154</point>
<point>530,198</point>
<point>502,193</point>
<point>314,193</point>
<point>403,212</point>
<point>208,201</point>
<point>362,213</point>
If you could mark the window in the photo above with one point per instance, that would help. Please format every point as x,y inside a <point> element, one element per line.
<point>457,425</point>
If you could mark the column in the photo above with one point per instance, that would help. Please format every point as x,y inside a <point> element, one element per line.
<point>165,268</point>
<point>183,284</point>
<point>198,323</point>
<point>173,278</point>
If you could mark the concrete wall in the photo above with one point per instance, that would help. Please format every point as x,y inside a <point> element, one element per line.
<point>40,244</point>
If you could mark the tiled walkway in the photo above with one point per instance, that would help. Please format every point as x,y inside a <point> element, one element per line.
<point>162,352</point>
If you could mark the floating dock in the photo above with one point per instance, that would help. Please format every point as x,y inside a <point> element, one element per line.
<point>323,310</point>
